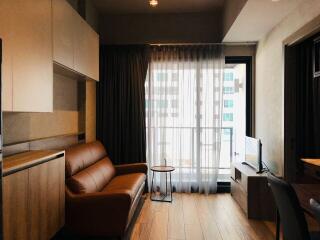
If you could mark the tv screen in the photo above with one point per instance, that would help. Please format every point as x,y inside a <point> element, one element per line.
<point>253,153</point>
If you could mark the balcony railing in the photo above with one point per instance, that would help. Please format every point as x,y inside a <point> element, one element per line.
<point>188,147</point>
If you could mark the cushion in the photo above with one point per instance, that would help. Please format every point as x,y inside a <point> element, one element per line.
<point>81,156</point>
<point>130,183</point>
<point>93,178</point>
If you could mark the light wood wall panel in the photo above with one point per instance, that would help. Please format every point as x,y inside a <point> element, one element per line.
<point>90,111</point>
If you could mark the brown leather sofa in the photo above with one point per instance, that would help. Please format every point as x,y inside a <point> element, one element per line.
<point>100,198</point>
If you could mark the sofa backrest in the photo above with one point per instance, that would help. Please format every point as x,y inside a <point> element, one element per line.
<point>88,168</point>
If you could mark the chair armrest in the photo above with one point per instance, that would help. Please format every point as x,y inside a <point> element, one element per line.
<point>102,213</point>
<point>131,168</point>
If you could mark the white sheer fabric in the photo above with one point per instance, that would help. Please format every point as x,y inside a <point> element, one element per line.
<point>184,113</point>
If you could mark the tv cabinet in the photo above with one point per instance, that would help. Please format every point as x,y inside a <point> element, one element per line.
<point>250,190</point>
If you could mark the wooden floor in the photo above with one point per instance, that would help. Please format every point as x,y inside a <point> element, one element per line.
<point>196,217</point>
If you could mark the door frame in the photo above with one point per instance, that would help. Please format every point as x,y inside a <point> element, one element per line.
<point>249,89</point>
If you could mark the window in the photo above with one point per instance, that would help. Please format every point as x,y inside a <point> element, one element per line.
<point>228,90</point>
<point>228,76</point>
<point>228,103</point>
<point>228,117</point>
<point>174,103</point>
<point>175,77</point>
<point>188,120</point>
<point>162,103</point>
<point>161,76</point>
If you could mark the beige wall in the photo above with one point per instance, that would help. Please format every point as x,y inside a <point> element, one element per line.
<point>270,83</point>
<point>66,118</point>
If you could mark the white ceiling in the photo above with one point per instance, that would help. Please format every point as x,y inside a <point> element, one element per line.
<point>164,6</point>
<point>257,18</point>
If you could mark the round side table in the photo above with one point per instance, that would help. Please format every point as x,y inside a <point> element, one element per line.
<point>167,170</point>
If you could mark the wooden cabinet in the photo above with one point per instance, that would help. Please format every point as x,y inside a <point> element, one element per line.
<point>86,50</point>
<point>5,35</point>
<point>33,203</point>
<point>250,190</point>
<point>75,43</point>
<point>15,205</point>
<point>64,21</point>
<point>27,52</point>
<point>32,56</point>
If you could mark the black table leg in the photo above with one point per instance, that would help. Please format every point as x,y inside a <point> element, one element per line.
<point>167,194</point>
<point>166,184</point>
<point>170,188</point>
<point>152,186</point>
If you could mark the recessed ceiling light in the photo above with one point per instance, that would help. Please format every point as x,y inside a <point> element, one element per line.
<point>275,0</point>
<point>153,3</point>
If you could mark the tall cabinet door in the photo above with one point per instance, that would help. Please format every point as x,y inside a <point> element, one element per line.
<point>93,52</point>
<point>5,26</point>
<point>86,49</point>
<point>32,55</point>
<point>15,205</point>
<point>46,199</point>
<point>63,27</point>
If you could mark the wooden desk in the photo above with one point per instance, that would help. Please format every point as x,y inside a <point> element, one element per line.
<point>304,193</point>
<point>311,161</point>
<point>311,167</point>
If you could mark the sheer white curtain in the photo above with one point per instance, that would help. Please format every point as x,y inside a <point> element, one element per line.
<point>184,114</point>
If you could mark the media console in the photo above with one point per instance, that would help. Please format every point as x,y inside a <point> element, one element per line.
<point>250,190</point>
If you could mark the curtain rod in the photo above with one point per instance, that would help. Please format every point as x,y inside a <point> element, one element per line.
<point>185,44</point>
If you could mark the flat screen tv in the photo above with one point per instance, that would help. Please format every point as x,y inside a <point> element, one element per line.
<point>253,153</point>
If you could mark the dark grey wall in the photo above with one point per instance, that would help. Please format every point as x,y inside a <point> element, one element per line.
<point>161,28</point>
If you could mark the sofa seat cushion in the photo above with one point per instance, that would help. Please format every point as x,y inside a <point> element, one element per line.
<point>130,183</point>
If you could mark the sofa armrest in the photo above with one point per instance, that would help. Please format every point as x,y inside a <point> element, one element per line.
<point>92,212</point>
<point>131,168</point>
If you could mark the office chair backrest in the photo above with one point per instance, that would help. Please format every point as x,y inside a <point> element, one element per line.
<point>291,215</point>
<point>315,206</point>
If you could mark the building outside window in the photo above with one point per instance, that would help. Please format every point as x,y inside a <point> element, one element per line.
<point>228,76</point>
<point>228,103</point>
<point>228,90</point>
<point>228,117</point>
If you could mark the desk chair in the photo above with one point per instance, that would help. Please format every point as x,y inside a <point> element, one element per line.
<point>315,206</point>
<point>291,215</point>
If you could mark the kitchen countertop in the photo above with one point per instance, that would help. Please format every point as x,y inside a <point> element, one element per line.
<point>28,159</point>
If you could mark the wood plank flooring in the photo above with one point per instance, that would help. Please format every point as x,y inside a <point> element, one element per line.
<point>196,217</point>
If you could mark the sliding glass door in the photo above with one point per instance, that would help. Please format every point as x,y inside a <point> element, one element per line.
<point>183,117</point>
<point>237,106</point>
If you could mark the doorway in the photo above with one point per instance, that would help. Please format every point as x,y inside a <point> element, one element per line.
<point>237,110</point>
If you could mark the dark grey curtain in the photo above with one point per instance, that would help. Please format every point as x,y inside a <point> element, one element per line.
<point>121,102</point>
<point>308,103</point>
